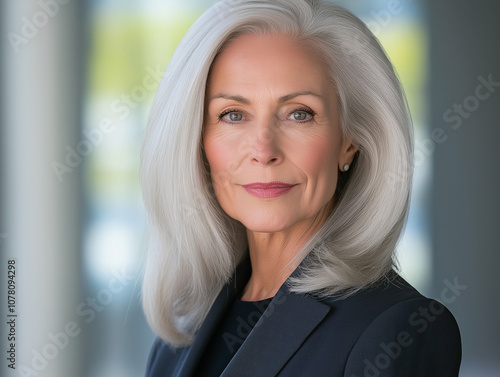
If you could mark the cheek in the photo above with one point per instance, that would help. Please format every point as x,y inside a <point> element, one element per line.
<point>215,154</point>
<point>225,152</point>
<point>319,160</point>
<point>222,160</point>
<point>216,160</point>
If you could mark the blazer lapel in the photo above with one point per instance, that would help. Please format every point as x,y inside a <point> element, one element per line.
<point>279,333</point>
<point>225,298</point>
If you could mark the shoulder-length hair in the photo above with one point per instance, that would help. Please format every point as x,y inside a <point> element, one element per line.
<point>195,246</point>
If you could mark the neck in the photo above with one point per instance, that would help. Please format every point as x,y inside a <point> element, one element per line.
<point>272,257</point>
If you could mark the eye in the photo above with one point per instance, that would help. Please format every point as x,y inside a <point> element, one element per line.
<point>230,116</point>
<point>301,115</point>
<point>235,117</point>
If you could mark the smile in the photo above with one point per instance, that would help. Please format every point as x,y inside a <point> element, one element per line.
<point>268,190</point>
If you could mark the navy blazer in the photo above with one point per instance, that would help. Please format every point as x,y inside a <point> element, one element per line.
<point>388,329</point>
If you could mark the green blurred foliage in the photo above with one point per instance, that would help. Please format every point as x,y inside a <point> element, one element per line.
<point>123,45</point>
<point>406,45</point>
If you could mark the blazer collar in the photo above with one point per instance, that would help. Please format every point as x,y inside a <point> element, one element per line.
<point>282,328</point>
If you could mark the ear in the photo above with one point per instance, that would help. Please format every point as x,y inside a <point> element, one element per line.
<point>347,153</point>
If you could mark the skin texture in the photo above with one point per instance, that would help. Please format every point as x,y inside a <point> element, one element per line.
<point>272,115</point>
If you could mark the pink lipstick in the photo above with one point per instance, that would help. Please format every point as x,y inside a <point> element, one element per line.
<point>268,190</point>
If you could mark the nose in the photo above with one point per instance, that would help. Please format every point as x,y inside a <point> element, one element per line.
<point>265,149</point>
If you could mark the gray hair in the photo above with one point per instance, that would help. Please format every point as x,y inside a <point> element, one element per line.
<point>195,246</point>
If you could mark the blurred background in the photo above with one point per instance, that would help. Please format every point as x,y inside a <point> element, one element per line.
<point>77,80</point>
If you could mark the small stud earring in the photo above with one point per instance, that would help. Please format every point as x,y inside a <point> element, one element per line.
<point>346,167</point>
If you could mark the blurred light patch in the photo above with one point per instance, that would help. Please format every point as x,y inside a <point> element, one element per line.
<point>110,246</point>
<point>414,259</point>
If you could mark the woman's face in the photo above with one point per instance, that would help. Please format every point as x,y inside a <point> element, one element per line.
<point>271,134</point>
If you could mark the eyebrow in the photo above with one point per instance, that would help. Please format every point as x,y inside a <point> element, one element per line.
<point>282,99</point>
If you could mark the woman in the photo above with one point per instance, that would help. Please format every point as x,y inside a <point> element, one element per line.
<point>276,172</point>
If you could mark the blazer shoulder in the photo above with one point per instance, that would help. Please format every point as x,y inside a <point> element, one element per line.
<point>390,312</point>
<point>373,300</point>
<point>412,338</point>
<point>396,331</point>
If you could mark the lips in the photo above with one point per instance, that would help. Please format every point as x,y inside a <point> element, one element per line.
<point>268,190</point>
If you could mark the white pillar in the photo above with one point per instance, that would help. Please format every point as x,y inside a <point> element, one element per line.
<point>41,90</point>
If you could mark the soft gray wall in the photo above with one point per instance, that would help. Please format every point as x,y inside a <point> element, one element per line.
<point>464,41</point>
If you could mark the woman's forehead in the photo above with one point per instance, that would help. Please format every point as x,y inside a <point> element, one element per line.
<point>270,60</point>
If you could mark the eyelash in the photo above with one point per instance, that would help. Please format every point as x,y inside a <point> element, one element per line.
<point>307,110</point>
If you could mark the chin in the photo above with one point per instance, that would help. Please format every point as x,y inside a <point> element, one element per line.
<point>266,224</point>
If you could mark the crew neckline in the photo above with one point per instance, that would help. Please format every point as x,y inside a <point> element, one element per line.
<point>256,302</point>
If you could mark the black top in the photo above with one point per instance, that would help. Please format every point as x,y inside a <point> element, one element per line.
<point>231,332</point>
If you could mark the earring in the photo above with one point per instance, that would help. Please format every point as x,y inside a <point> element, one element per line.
<point>346,167</point>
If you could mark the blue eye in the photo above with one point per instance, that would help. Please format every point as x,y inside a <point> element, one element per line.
<point>301,115</point>
<point>235,117</point>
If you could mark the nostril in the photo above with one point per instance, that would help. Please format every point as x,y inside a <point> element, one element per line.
<point>265,150</point>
